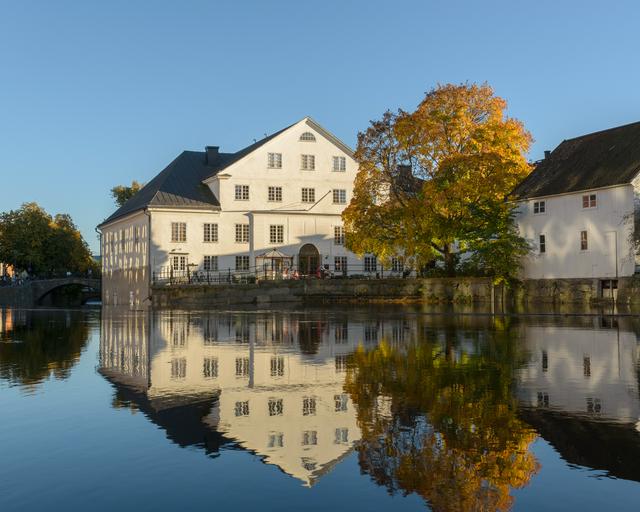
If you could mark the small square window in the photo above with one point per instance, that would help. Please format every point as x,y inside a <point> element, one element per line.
<point>307,162</point>
<point>308,195</point>
<point>274,160</point>
<point>539,207</point>
<point>242,263</point>
<point>589,201</point>
<point>275,194</point>
<point>210,263</point>
<point>242,192</point>
<point>339,196</point>
<point>276,234</point>
<point>339,163</point>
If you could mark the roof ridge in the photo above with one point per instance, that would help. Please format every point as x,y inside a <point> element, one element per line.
<point>598,132</point>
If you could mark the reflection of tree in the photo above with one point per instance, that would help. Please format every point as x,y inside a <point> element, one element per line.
<point>441,421</point>
<point>45,343</point>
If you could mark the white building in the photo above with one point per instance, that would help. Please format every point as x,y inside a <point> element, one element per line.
<point>577,207</point>
<point>214,211</point>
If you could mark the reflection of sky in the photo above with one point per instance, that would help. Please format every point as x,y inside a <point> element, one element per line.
<point>64,443</point>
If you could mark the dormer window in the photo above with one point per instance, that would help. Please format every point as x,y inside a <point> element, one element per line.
<point>307,137</point>
<point>539,207</point>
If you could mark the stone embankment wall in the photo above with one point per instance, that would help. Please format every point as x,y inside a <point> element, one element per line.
<point>525,295</point>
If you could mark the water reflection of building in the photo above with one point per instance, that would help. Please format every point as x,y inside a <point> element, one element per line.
<point>273,382</point>
<point>580,392</point>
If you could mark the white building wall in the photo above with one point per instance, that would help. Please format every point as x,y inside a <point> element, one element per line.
<point>608,226</point>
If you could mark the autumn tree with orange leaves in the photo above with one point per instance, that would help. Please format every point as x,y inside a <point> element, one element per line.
<point>433,183</point>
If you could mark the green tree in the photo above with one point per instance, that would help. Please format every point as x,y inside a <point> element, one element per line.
<point>433,183</point>
<point>122,193</point>
<point>32,240</point>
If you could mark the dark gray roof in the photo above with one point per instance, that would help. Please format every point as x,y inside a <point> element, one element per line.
<point>600,159</point>
<point>179,185</point>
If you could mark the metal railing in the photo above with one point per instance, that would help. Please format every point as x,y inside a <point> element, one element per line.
<point>170,276</point>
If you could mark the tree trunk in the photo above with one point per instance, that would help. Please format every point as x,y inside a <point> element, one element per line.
<point>449,261</point>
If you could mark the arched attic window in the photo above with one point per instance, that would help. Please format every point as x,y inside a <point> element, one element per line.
<point>307,137</point>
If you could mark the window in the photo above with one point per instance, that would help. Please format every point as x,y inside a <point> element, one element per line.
<point>178,368</point>
<point>122,243</point>
<point>543,244</point>
<point>342,436</point>
<point>242,366</point>
<point>210,263</point>
<point>276,440</point>
<point>242,192</point>
<point>397,264</point>
<point>341,402</point>
<point>277,366</point>
<point>338,235</point>
<point>178,231</point>
<point>242,233</point>
<point>543,399</point>
<point>242,408</point>
<point>210,367</point>
<point>545,361</point>
<point>339,163</point>
<point>308,195</point>
<point>307,162</point>
<point>339,196</point>
<point>275,194</point>
<point>586,366</point>
<point>341,363</point>
<point>589,201</point>
<point>276,407</point>
<point>370,263</point>
<point>539,207</point>
<point>307,137</point>
<point>210,233</point>
<point>274,161</point>
<point>308,406</point>
<point>179,262</point>
<point>309,437</point>
<point>136,237</point>
<point>242,263</point>
<point>594,406</point>
<point>371,333</point>
<point>584,241</point>
<point>340,264</point>
<point>276,234</point>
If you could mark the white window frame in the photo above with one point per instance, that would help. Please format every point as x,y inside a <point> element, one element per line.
<point>307,137</point>
<point>539,207</point>
<point>274,160</point>
<point>178,262</point>
<point>338,235</point>
<point>339,164</point>
<point>589,201</point>
<point>243,267</point>
<point>584,240</point>
<point>241,192</point>
<point>370,263</point>
<point>274,194</point>
<point>339,196</point>
<point>178,232</point>
<point>308,162</point>
<point>308,195</point>
<point>210,232</point>
<point>542,243</point>
<point>243,235</point>
<point>210,263</point>
<point>276,234</point>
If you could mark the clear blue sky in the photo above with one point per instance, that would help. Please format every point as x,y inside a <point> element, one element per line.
<point>97,93</point>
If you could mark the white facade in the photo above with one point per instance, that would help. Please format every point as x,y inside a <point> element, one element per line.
<point>574,235</point>
<point>287,193</point>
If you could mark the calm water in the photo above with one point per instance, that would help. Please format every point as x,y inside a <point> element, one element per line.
<point>341,409</point>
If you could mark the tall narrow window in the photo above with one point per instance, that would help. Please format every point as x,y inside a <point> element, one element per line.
<point>397,264</point>
<point>277,366</point>
<point>242,366</point>
<point>242,263</point>
<point>339,196</point>
<point>543,244</point>
<point>274,160</point>
<point>340,264</point>
<point>242,192</point>
<point>275,194</point>
<point>308,406</point>
<point>589,201</point>
<point>242,233</point>
<point>370,264</point>
<point>307,162</point>
<point>178,231</point>
<point>210,367</point>
<point>210,233</point>
<point>276,234</point>
<point>339,163</point>
<point>338,235</point>
<point>308,195</point>
<point>210,263</point>
<point>584,241</point>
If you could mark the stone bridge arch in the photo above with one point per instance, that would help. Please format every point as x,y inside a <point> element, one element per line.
<point>41,288</point>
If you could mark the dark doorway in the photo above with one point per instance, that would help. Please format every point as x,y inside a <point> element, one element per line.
<point>308,259</point>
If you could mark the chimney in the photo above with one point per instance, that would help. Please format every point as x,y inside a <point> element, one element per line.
<point>547,154</point>
<point>212,153</point>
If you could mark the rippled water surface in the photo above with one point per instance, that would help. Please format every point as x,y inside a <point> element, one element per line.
<point>320,409</point>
